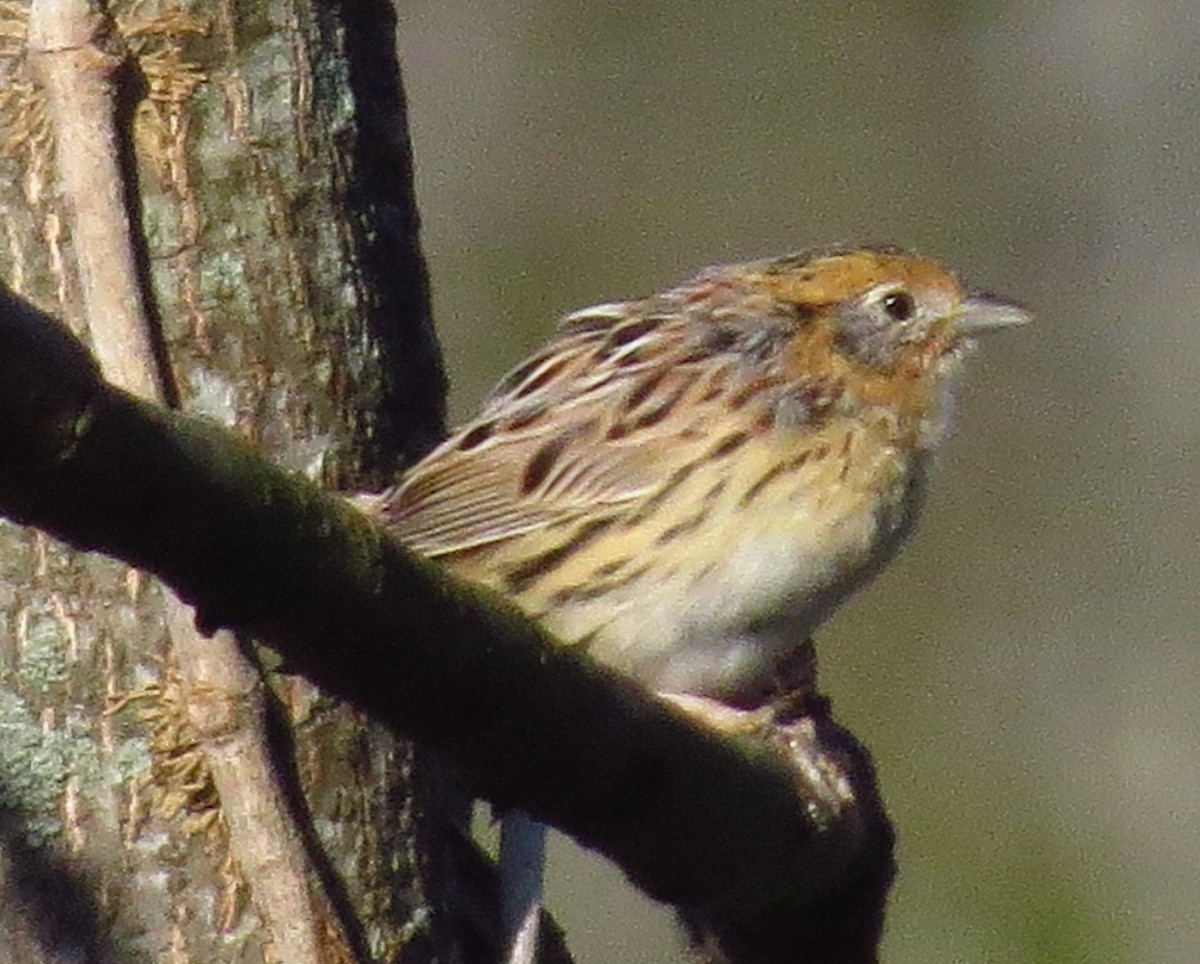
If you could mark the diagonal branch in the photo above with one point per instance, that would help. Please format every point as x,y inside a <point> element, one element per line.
<point>773,847</point>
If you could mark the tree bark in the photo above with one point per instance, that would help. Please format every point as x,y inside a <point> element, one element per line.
<point>211,199</point>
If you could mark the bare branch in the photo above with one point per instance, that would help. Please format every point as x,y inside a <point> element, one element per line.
<point>78,57</point>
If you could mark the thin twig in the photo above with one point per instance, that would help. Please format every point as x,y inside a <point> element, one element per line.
<point>78,57</point>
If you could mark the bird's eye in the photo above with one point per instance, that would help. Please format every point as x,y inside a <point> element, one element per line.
<point>899,305</point>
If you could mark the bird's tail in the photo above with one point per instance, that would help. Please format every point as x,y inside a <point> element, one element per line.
<point>522,861</point>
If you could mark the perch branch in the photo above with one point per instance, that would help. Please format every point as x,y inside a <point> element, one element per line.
<point>772,847</point>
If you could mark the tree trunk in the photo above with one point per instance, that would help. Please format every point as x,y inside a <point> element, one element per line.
<point>272,280</point>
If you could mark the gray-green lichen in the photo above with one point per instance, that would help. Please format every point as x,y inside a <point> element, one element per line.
<point>43,660</point>
<point>34,768</point>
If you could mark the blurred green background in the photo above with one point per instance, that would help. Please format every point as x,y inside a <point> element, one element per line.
<point>1028,673</point>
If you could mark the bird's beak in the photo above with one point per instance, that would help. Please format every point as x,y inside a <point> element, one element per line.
<point>983,313</point>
